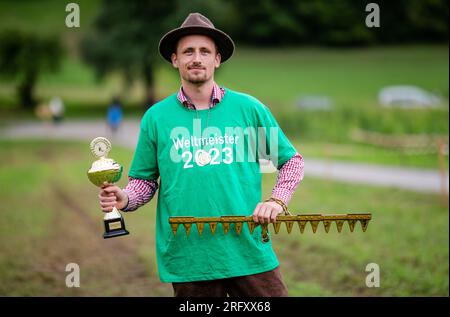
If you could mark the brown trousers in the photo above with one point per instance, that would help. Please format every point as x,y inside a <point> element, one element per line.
<point>266,284</point>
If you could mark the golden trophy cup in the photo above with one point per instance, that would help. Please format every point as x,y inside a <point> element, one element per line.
<point>107,170</point>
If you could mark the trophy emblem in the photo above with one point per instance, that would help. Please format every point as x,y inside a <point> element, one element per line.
<point>106,170</point>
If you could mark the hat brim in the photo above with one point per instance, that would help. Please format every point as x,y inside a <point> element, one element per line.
<point>168,42</point>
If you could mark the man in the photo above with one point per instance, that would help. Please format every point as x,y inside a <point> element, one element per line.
<point>204,143</point>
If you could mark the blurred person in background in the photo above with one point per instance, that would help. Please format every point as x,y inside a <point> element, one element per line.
<point>203,185</point>
<point>114,115</point>
<point>56,106</point>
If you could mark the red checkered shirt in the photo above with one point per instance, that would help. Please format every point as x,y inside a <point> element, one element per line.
<point>141,191</point>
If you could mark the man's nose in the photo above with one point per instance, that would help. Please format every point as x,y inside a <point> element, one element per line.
<point>196,57</point>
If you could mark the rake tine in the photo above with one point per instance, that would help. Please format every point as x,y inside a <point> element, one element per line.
<point>174,228</point>
<point>326,225</point>
<point>200,226</point>
<point>351,224</point>
<point>251,226</point>
<point>238,226</point>
<point>301,225</point>
<point>339,224</point>
<point>187,227</point>
<point>314,224</point>
<point>225,226</point>
<point>289,224</point>
<point>276,226</point>
<point>213,226</point>
<point>364,224</point>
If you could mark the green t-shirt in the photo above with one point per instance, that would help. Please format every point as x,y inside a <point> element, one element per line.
<point>237,132</point>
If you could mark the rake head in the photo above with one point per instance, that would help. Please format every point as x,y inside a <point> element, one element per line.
<point>289,220</point>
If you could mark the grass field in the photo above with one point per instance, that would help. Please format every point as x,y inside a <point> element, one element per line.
<point>368,154</point>
<point>50,217</point>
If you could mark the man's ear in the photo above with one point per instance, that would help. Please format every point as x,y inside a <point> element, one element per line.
<point>217,60</point>
<point>174,59</point>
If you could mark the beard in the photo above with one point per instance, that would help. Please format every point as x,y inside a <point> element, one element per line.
<point>198,78</point>
<point>197,81</point>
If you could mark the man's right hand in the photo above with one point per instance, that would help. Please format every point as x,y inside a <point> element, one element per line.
<point>110,196</point>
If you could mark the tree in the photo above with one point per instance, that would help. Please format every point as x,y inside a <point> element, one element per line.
<point>125,38</point>
<point>338,22</point>
<point>23,56</point>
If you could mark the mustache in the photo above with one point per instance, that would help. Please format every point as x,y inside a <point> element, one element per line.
<point>196,67</point>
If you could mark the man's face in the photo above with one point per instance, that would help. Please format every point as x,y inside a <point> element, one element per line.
<point>196,58</point>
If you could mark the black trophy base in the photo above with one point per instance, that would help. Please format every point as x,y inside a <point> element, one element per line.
<point>114,228</point>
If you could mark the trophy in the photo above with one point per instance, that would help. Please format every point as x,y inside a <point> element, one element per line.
<point>107,170</point>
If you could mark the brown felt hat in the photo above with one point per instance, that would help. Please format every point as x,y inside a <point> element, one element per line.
<point>196,24</point>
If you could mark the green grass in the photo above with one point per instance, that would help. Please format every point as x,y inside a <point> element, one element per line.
<point>370,154</point>
<point>40,233</point>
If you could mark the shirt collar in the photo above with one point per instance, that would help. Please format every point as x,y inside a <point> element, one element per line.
<point>216,97</point>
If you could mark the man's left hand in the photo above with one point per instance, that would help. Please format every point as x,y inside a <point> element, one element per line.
<point>267,212</point>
